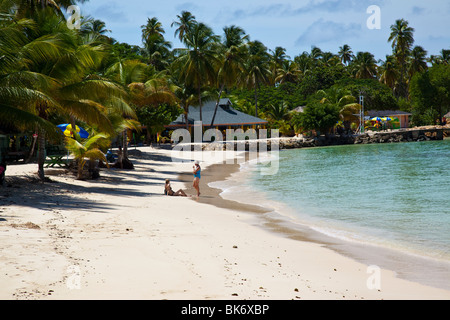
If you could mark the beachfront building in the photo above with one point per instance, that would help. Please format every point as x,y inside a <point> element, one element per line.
<point>226,117</point>
<point>402,116</point>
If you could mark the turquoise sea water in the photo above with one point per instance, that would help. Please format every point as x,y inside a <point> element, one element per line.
<point>394,196</point>
<point>391,194</point>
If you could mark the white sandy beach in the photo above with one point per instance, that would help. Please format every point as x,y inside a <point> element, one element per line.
<point>119,237</point>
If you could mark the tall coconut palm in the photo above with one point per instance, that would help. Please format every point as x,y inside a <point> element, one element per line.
<point>345,54</point>
<point>234,36</point>
<point>198,62</point>
<point>401,38</point>
<point>156,47</point>
<point>231,65</point>
<point>185,22</point>
<point>257,68</point>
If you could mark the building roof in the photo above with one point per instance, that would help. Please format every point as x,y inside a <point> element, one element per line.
<point>225,116</point>
<point>387,113</point>
<point>447,115</point>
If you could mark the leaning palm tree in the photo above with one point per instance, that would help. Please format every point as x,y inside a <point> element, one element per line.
<point>197,63</point>
<point>50,59</point>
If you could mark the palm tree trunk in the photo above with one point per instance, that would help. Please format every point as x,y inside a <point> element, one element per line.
<point>256,102</point>
<point>217,105</point>
<point>33,145</point>
<point>186,112</point>
<point>41,154</point>
<point>200,102</point>
<point>125,144</point>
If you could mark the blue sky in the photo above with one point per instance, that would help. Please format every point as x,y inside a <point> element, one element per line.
<point>295,25</point>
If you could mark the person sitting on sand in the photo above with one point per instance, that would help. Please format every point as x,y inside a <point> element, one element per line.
<point>196,183</point>
<point>168,190</point>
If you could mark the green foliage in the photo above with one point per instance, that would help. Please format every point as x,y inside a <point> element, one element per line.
<point>317,116</point>
<point>156,117</point>
<point>430,95</point>
<point>377,96</point>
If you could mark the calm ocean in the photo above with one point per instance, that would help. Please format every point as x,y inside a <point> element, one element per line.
<point>394,196</point>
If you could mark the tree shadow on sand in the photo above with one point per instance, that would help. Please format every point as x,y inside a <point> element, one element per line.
<point>31,192</point>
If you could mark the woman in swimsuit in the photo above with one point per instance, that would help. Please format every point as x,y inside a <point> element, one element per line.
<point>168,190</point>
<point>196,183</point>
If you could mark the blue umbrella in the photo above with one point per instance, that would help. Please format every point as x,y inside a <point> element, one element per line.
<point>376,119</point>
<point>66,129</point>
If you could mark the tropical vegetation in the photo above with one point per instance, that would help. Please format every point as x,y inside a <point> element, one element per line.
<point>51,73</point>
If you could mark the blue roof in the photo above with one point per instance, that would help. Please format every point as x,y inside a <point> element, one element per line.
<point>225,116</point>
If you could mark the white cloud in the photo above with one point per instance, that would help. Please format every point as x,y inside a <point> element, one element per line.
<point>323,31</point>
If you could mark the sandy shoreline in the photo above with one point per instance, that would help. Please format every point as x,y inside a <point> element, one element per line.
<point>119,238</point>
<point>410,267</point>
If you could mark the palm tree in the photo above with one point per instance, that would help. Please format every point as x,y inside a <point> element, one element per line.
<point>184,24</point>
<point>50,59</point>
<point>25,8</point>
<point>277,59</point>
<point>364,66</point>
<point>278,111</point>
<point>417,61</point>
<point>304,62</point>
<point>389,72</point>
<point>95,28</point>
<point>402,39</point>
<point>234,36</point>
<point>345,54</point>
<point>186,97</point>
<point>88,149</point>
<point>156,47</point>
<point>288,72</point>
<point>198,61</point>
<point>257,70</point>
<point>344,101</point>
<point>316,54</point>
<point>231,63</point>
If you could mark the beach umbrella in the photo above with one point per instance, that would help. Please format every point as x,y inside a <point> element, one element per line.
<point>375,119</point>
<point>386,119</point>
<point>66,129</point>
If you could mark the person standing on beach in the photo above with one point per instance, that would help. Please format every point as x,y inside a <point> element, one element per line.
<point>196,183</point>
